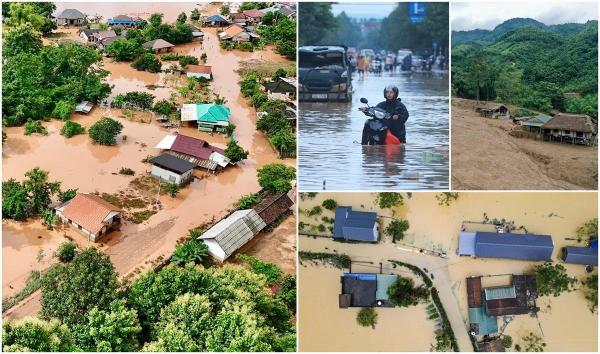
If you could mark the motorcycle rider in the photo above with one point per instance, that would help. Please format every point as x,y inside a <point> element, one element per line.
<point>397,109</point>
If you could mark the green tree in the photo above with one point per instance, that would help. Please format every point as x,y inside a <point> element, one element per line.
<point>445,198</point>
<point>284,141</point>
<point>40,191</point>
<point>66,251</point>
<point>590,289</point>
<point>182,18</point>
<point>389,200</point>
<point>71,128</point>
<point>88,282</point>
<point>552,279</point>
<point>194,251</point>
<point>507,341</point>
<point>276,177</point>
<point>329,204</point>
<point>164,107</point>
<point>35,126</point>
<point>63,109</point>
<point>123,49</point>
<point>533,343</point>
<point>367,317</point>
<point>442,341</point>
<point>224,10</point>
<point>402,293</point>
<point>147,62</point>
<point>315,22</point>
<point>279,73</point>
<point>397,228</point>
<point>172,189</point>
<point>105,131</point>
<point>67,195</point>
<point>23,39</point>
<point>49,217</point>
<point>195,16</point>
<point>234,152</point>
<point>34,335</point>
<point>114,329</point>
<point>15,201</point>
<point>587,230</point>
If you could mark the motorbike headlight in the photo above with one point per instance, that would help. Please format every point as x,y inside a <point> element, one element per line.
<point>379,115</point>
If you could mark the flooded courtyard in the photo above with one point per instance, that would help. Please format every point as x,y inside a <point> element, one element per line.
<point>79,163</point>
<point>330,152</point>
<point>565,323</point>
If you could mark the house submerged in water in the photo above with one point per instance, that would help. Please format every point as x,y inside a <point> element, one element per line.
<point>355,225</point>
<point>365,289</point>
<point>506,245</point>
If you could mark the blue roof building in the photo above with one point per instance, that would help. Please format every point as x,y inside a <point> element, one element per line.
<point>124,20</point>
<point>506,245</point>
<point>355,225</point>
<point>580,255</point>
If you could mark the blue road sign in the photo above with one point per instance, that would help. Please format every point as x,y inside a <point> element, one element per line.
<point>416,12</point>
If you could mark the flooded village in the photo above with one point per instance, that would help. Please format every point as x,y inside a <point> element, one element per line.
<point>357,249</point>
<point>189,161</point>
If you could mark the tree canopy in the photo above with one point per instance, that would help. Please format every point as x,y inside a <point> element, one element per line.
<point>276,177</point>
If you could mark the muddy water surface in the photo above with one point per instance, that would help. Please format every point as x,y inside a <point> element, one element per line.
<point>567,325</point>
<point>330,135</point>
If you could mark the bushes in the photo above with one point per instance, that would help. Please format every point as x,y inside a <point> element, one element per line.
<point>552,279</point>
<point>389,200</point>
<point>396,229</point>
<point>164,107</point>
<point>447,327</point>
<point>338,260</point>
<point>270,270</point>
<point>172,189</point>
<point>62,109</point>
<point>187,60</point>
<point>249,201</point>
<point>34,126</point>
<point>67,195</point>
<point>284,141</point>
<point>244,46</point>
<point>66,251</point>
<point>71,128</point>
<point>329,204</point>
<point>134,100</point>
<point>402,293</point>
<point>276,177</point>
<point>126,171</point>
<point>316,210</point>
<point>234,152</point>
<point>105,131</point>
<point>367,317</point>
<point>193,251</point>
<point>147,62</point>
<point>124,49</point>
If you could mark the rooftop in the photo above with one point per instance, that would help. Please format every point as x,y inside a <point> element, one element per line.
<point>173,163</point>
<point>362,289</point>
<point>576,122</point>
<point>273,206</point>
<point>71,14</point>
<point>158,44</point>
<point>354,225</point>
<point>88,210</point>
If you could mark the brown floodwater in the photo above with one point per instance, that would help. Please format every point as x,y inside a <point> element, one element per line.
<point>170,10</point>
<point>78,163</point>
<point>567,325</point>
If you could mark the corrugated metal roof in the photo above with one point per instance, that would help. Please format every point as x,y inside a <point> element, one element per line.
<point>466,244</point>
<point>384,281</point>
<point>513,246</point>
<point>505,292</point>
<point>580,255</point>
<point>235,231</point>
<point>354,225</point>
<point>485,324</point>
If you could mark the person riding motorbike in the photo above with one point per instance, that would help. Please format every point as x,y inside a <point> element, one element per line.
<point>399,115</point>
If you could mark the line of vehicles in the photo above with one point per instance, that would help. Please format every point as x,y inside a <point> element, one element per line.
<point>325,72</point>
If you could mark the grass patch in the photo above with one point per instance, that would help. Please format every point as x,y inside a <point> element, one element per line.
<point>337,260</point>
<point>138,217</point>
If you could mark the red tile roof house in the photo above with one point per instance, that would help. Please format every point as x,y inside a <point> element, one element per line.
<point>197,151</point>
<point>90,214</point>
<point>253,16</point>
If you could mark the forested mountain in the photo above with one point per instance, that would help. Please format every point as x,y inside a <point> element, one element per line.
<point>531,65</point>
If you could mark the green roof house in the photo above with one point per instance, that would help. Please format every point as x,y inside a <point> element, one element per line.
<point>210,116</point>
<point>534,124</point>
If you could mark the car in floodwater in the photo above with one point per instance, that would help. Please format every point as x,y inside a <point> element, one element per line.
<point>324,73</point>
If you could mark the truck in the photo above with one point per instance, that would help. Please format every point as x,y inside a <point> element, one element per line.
<point>324,74</point>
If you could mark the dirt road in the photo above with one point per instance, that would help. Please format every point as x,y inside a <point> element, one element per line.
<point>485,156</point>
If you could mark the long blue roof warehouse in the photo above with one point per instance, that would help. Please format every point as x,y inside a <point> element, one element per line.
<point>506,245</point>
<point>355,225</point>
<point>580,255</point>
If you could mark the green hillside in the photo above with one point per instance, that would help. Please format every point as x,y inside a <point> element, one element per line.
<point>529,65</point>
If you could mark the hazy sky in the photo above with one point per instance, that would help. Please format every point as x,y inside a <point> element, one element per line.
<point>487,15</point>
<point>364,10</point>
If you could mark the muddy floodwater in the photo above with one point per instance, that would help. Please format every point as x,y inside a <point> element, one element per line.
<point>565,323</point>
<point>330,135</point>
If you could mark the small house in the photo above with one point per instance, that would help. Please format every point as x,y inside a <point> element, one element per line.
<point>198,71</point>
<point>571,128</point>
<point>90,214</point>
<point>237,33</point>
<point>215,21</point>
<point>231,233</point>
<point>253,16</point>
<point>365,289</point>
<point>238,18</point>
<point>158,46</point>
<point>534,124</point>
<point>100,36</point>
<point>197,35</point>
<point>84,107</point>
<point>273,206</point>
<point>493,110</point>
<point>124,20</point>
<point>196,151</point>
<point>103,43</point>
<point>355,225</point>
<point>506,245</point>
<point>580,255</point>
<point>86,34</point>
<point>288,12</point>
<point>70,17</point>
<point>172,169</point>
<point>209,116</point>
<point>284,88</point>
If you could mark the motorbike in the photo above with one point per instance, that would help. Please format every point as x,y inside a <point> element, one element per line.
<point>376,66</point>
<point>375,131</point>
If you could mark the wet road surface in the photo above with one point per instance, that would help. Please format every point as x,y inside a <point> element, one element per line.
<point>330,134</point>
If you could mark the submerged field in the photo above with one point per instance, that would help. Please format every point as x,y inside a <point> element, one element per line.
<point>565,323</point>
<point>485,156</point>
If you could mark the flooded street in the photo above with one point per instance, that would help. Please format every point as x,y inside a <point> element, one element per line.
<point>566,325</point>
<point>78,163</point>
<point>330,134</point>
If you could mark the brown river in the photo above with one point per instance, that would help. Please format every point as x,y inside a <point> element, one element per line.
<point>78,163</point>
<point>565,325</point>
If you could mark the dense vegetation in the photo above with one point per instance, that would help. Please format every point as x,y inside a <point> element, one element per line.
<point>39,80</point>
<point>552,279</point>
<point>179,308</point>
<point>526,63</point>
<point>30,197</point>
<point>318,25</point>
<point>276,177</point>
<point>105,131</point>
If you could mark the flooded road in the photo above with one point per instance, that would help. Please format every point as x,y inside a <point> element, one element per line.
<point>565,323</point>
<point>330,134</point>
